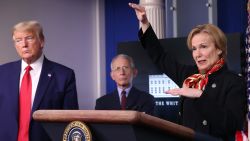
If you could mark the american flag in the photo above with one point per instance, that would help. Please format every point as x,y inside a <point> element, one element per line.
<point>243,135</point>
<point>248,61</point>
<point>247,48</point>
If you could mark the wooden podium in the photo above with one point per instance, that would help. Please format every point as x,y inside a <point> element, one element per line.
<point>111,125</point>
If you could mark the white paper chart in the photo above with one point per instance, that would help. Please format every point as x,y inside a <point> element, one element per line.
<point>158,84</point>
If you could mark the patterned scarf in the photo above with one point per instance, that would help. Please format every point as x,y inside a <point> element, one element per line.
<point>199,81</point>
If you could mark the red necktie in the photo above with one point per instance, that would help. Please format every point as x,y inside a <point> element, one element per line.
<point>25,106</point>
<point>123,100</point>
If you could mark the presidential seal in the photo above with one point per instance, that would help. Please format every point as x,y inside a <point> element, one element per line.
<point>77,131</point>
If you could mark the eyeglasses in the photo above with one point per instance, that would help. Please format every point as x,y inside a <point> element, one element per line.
<point>28,39</point>
<point>123,68</point>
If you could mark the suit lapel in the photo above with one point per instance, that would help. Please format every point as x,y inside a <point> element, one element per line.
<point>44,80</point>
<point>16,77</point>
<point>14,84</point>
<point>116,100</point>
<point>132,98</point>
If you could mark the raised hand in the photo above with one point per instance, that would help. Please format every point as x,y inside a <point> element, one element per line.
<point>141,15</point>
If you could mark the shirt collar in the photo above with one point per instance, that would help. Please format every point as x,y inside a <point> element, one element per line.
<point>37,65</point>
<point>127,90</point>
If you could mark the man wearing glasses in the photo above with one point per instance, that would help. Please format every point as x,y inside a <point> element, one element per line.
<point>125,97</point>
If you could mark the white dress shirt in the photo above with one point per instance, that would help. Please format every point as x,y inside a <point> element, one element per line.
<point>120,92</point>
<point>34,73</point>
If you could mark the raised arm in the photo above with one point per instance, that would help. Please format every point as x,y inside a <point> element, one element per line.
<point>141,15</point>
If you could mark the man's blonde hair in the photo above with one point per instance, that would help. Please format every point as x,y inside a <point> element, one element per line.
<point>30,26</point>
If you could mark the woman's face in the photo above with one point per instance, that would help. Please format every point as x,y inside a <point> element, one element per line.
<point>204,52</point>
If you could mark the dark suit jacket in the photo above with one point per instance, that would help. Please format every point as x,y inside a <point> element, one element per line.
<point>56,90</point>
<point>137,100</point>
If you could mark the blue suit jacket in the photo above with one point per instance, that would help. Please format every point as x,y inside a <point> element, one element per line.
<point>56,90</point>
<point>137,100</point>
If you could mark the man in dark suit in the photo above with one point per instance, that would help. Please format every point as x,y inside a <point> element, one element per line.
<point>122,72</point>
<point>52,86</point>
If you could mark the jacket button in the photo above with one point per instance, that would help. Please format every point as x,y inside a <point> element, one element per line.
<point>204,122</point>
<point>213,85</point>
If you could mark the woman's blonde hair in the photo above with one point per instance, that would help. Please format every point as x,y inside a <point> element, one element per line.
<point>214,32</point>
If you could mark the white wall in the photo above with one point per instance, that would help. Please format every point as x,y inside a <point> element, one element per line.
<point>74,36</point>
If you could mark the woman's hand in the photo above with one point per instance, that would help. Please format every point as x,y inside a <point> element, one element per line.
<point>187,92</point>
<point>141,15</point>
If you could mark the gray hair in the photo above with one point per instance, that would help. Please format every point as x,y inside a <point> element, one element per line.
<point>130,59</point>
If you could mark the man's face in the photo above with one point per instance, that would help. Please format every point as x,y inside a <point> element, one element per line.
<point>28,45</point>
<point>122,73</point>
